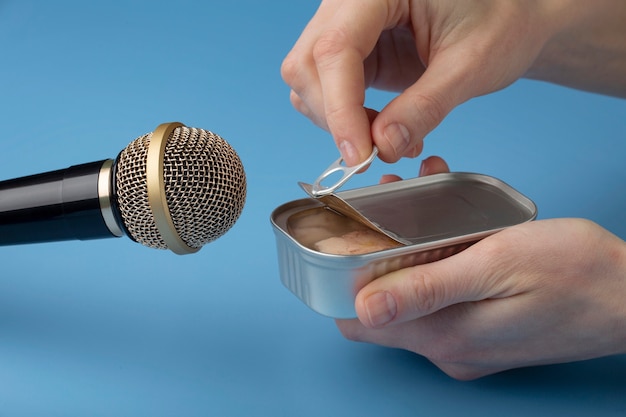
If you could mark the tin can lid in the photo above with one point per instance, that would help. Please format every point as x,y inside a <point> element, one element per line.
<point>441,206</point>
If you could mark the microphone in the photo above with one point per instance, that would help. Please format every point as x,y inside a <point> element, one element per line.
<point>176,188</point>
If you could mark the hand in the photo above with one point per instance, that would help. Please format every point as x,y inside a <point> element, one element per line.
<point>544,292</point>
<point>441,53</point>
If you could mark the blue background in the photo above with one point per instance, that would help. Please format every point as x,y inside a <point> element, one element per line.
<point>110,328</point>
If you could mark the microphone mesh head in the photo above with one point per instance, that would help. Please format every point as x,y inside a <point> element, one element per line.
<point>205,187</point>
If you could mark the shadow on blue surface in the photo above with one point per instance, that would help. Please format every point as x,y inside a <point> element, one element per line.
<point>594,387</point>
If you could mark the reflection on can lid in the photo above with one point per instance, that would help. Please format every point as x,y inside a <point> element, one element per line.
<point>441,206</point>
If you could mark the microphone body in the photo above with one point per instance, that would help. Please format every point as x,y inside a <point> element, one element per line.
<point>56,206</point>
<point>176,188</point>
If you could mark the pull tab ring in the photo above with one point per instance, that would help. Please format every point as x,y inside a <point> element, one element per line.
<point>318,190</point>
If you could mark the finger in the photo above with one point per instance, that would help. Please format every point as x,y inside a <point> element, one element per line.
<point>433,165</point>
<point>400,336</point>
<point>344,113</point>
<point>431,339</point>
<point>301,106</point>
<point>339,54</point>
<point>424,336</point>
<point>419,291</point>
<point>428,336</point>
<point>299,71</point>
<point>387,178</point>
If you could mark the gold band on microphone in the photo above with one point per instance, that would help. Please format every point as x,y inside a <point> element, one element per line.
<point>156,189</point>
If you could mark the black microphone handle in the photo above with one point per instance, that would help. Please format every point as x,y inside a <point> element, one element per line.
<point>67,204</point>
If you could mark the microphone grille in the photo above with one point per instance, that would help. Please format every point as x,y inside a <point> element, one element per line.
<point>204,183</point>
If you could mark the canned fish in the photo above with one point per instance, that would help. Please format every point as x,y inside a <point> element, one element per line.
<point>326,257</point>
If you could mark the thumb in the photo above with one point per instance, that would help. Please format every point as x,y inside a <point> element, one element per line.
<point>421,290</point>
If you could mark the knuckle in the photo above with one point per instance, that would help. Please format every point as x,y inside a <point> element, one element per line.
<point>450,350</point>
<point>460,372</point>
<point>298,103</point>
<point>289,68</point>
<point>456,356</point>
<point>329,45</point>
<point>431,109</point>
<point>335,115</point>
<point>425,294</point>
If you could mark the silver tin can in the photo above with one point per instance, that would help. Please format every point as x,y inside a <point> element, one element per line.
<point>438,215</point>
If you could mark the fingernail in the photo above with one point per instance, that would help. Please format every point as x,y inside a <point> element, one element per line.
<point>398,137</point>
<point>381,308</point>
<point>423,168</point>
<point>349,153</point>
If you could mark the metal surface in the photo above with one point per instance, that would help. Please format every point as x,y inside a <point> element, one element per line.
<point>442,214</point>
<point>157,196</point>
<point>193,175</point>
<point>342,206</point>
<point>53,206</point>
<point>441,206</point>
<point>105,193</point>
